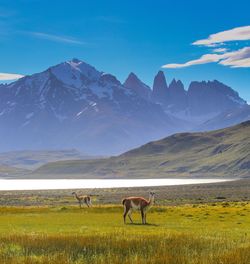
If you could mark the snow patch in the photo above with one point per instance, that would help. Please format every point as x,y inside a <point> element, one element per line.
<point>82,111</point>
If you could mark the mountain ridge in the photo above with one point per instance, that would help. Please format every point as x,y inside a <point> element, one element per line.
<point>74,105</point>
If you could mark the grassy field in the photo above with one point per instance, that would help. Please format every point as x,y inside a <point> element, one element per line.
<point>215,233</point>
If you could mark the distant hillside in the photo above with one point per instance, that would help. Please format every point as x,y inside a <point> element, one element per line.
<point>220,153</point>
<point>31,159</point>
<point>7,172</point>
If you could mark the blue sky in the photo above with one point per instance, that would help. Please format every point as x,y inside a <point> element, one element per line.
<point>123,36</point>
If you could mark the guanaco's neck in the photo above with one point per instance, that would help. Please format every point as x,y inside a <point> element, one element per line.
<point>76,195</point>
<point>151,199</point>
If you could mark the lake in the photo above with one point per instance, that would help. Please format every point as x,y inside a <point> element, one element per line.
<point>10,185</point>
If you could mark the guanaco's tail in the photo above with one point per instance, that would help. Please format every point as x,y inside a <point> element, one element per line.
<point>123,201</point>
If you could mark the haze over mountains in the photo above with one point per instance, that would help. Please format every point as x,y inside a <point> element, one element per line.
<point>73,105</point>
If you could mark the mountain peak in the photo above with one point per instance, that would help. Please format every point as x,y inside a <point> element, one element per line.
<point>136,85</point>
<point>160,73</point>
<point>176,85</point>
<point>75,72</point>
<point>160,80</point>
<point>79,65</point>
<point>160,88</point>
<point>132,77</point>
<point>75,60</point>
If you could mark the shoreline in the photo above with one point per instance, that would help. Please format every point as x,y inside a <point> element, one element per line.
<point>64,184</point>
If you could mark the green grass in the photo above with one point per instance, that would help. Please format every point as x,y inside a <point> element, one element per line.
<point>210,234</point>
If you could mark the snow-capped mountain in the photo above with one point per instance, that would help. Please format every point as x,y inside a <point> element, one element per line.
<point>73,105</point>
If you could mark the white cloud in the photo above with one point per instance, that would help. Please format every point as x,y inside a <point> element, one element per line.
<point>55,38</point>
<point>207,58</point>
<point>235,34</point>
<point>237,59</point>
<point>234,59</point>
<point>220,50</point>
<point>10,76</point>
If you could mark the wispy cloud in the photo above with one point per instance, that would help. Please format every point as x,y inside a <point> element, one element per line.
<point>239,58</point>
<point>9,76</point>
<point>55,38</point>
<point>235,59</point>
<point>207,58</point>
<point>235,34</point>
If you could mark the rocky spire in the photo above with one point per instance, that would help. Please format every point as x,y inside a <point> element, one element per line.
<point>178,96</point>
<point>160,89</point>
<point>176,86</point>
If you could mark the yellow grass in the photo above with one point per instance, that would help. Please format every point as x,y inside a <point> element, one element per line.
<point>209,234</point>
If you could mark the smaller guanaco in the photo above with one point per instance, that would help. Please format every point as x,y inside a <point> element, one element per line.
<point>83,198</point>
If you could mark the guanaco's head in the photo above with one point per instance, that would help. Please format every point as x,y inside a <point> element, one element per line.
<point>152,193</point>
<point>73,192</point>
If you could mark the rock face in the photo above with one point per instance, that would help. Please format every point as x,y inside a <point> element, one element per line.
<point>211,97</point>
<point>202,101</point>
<point>160,89</point>
<point>73,105</point>
<point>136,85</point>
<point>178,96</point>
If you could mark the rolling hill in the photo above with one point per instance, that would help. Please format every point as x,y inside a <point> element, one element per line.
<point>12,172</point>
<point>32,159</point>
<point>219,153</point>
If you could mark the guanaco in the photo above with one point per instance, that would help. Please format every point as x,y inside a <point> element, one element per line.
<point>137,203</point>
<point>83,198</point>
